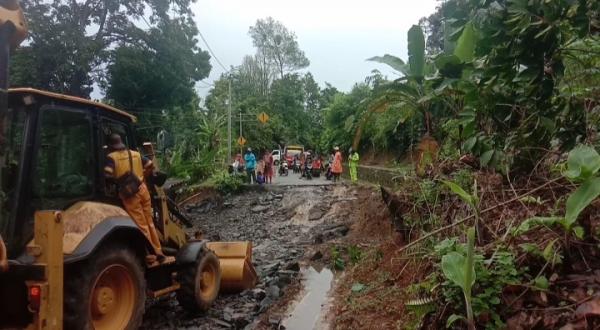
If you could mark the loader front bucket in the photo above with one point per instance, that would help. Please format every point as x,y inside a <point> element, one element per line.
<point>237,272</point>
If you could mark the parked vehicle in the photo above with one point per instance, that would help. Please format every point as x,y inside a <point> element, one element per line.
<point>296,165</point>
<point>283,169</point>
<point>276,156</point>
<point>290,152</point>
<point>308,170</point>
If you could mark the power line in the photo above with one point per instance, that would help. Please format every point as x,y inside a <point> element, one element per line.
<point>211,52</point>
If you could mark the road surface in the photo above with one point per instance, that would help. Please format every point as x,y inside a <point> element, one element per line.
<point>293,179</point>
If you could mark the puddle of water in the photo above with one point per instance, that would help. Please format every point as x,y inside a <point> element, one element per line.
<point>307,313</point>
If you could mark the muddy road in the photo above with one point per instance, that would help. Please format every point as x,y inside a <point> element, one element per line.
<point>285,224</point>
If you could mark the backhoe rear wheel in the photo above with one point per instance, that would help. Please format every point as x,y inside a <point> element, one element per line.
<point>200,283</point>
<point>108,291</point>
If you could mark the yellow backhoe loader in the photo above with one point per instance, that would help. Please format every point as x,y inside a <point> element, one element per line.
<point>70,256</point>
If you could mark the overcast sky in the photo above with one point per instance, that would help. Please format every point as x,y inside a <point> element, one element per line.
<point>336,35</point>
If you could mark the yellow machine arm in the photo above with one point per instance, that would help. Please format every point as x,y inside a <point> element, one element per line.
<point>13,30</point>
<point>11,14</point>
<point>3,256</point>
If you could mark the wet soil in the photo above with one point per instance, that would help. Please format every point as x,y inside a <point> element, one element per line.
<point>291,228</point>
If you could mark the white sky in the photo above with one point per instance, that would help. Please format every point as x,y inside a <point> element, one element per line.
<point>336,35</point>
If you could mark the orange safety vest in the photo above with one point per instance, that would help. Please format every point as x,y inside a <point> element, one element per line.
<point>118,164</point>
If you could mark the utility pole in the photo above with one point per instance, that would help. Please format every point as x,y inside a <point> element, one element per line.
<point>229,124</point>
<point>241,147</point>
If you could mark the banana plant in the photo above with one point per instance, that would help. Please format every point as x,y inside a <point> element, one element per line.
<point>582,167</point>
<point>460,270</point>
<point>471,199</point>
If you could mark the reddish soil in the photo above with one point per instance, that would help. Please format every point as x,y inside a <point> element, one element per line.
<point>379,304</point>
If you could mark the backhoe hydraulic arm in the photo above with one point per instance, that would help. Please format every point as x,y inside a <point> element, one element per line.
<point>13,30</point>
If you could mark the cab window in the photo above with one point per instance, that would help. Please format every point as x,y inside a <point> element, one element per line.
<point>64,167</point>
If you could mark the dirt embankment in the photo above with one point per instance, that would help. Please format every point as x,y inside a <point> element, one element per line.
<point>550,278</point>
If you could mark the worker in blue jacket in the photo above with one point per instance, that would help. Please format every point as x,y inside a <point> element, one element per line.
<point>250,165</point>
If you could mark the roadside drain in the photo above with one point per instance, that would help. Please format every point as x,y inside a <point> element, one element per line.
<point>307,313</point>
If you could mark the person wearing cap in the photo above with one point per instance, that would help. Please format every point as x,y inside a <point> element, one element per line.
<point>122,162</point>
<point>336,168</point>
<point>250,165</point>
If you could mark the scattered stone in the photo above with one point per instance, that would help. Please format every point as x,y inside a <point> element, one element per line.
<point>265,304</point>
<point>295,266</point>
<point>220,322</point>
<point>260,208</point>
<point>240,320</point>
<point>316,256</point>
<point>259,294</point>
<point>315,213</point>
<point>263,217</point>
<point>318,239</point>
<point>271,268</point>
<point>273,291</point>
<point>283,281</point>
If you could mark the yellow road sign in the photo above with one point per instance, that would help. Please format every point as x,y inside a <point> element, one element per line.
<point>241,140</point>
<point>263,117</point>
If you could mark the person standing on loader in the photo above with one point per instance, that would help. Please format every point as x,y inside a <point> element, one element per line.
<point>353,158</point>
<point>127,168</point>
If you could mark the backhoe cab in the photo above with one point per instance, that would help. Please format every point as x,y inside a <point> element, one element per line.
<point>87,255</point>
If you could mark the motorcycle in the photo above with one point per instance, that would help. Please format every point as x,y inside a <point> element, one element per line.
<point>283,169</point>
<point>328,173</point>
<point>296,167</point>
<point>308,170</point>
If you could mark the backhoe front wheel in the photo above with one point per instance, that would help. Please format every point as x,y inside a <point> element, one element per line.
<point>106,292</point>
<point>200,283</point>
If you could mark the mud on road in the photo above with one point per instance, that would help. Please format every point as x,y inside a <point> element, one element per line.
<point>284,224</point>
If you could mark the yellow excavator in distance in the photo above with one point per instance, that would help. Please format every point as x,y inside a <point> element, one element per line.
<point>70,256</point>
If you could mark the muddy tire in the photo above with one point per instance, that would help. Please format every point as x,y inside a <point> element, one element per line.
<point>200,283</point>
<point>108,291</point>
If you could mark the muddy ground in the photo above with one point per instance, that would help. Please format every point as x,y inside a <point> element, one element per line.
<point>291,228</point>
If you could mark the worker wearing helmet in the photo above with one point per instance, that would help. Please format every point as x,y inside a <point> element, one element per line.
<point>127,168</point>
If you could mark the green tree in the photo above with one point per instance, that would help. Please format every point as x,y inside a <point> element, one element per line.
<point>69,41</point>
<point>277,46</point>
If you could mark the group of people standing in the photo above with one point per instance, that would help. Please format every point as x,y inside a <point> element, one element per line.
<point>260,171</point>
<point>337,169</point>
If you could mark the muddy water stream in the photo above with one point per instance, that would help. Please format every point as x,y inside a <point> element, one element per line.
<point>308,313</point>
